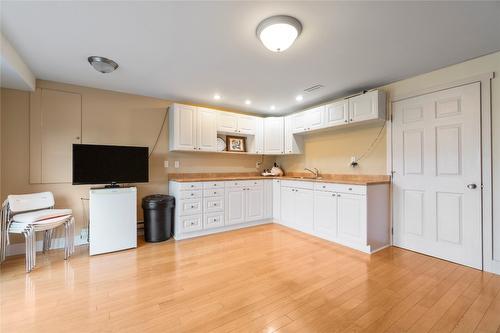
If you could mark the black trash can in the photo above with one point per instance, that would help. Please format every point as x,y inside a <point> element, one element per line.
<point>158,217</point>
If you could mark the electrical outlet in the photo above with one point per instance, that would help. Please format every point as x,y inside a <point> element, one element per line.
<point>165,164</point>
<point>84,233</point>
<point>257,164</point>
<point>177,164</point>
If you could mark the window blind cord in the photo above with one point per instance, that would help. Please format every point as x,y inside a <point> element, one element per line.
<point>159,133</point>
<point>373,144</point>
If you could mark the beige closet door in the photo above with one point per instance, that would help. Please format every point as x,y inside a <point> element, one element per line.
<point>437,179</point>
<point>61,122</point>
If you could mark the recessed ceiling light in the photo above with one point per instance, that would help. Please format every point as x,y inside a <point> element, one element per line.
<point>217,97</point>
<point>101,64</point>
<point>299,98</point>
<point>278,33</point>
<point>248,102</point>
<point>272,108</point>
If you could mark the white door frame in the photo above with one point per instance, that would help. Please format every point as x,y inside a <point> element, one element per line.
<point>490,264</point>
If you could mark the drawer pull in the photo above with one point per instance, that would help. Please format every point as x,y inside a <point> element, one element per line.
<point>324,186</point>
<point>215,204</point>
<point>350,188</point>
<point>192,194</point>
<point>215,192</point>
<point>192,206</point>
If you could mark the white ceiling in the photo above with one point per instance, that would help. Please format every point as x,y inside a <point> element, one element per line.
<point>187,51</point>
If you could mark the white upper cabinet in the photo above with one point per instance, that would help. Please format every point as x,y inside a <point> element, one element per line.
<point>182,127</point>
<point>192,128</point>
<point>298,122</point>
<point>259,136</point>
<point>308,120</point>
<point>206,135</point>
<point>235,123</point>
<point>315,118</point>
<point>368,106</point>
<point>337,113</point>
<point>246,124</point>
<point>274,135</point>
<point>293,143</point>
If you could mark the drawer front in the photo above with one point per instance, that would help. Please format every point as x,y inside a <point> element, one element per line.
<point>207,185</point>
<point>216,192</point>
<point>190,206</point>
<point>343,188</point>
<point>213,204</point>
<point>325,187</point>
<point>235,183</point>
<point>190,223</point>
<point>213,220</point>
<point>191,186</point>
<point>254,183</point>
<point>354,189</point>
<point>190,194</point>
<point>298,184</point>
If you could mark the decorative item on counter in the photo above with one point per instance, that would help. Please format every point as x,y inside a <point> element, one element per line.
<point>221,144</point>
<point>236,143</point>
<point>275,171</point>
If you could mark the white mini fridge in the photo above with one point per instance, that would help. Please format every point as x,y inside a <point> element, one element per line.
<point>113,219</point>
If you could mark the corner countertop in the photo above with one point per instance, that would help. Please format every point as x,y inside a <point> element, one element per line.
<point>324,178</point>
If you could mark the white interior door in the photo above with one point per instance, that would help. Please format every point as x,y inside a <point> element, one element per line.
<point>437,179</point>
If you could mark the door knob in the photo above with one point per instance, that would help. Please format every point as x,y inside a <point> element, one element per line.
<point>472,186</point>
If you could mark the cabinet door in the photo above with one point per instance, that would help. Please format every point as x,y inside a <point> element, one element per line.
<point>227,122</point>
<point>268,198</point>
<point>337,113</point>
<point>325,214</point>
<point>273,135</point>
<point>246,125</point>
<point>235,205</point>
<point>254,204</point>
<point>206,138</point>
<point>298,122</point>
<point>259,136</point>
<point>315,118</point>
<point>363,107</point>
<point>293,143</point>
<point>352,217</point>
<point>184,127</point>
<point>304,209</point>
<point>287,206</point>
<point>276,199</point>
<point>55,125</point>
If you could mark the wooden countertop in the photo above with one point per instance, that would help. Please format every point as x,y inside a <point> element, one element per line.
<point>327,178</point>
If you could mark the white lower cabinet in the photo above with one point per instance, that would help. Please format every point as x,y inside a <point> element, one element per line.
<point>352,218</point>
<point>235,205</point>
<point>297,208</point>
<point>325,214</point>
<point>356,216</point>
<point>208,207</point>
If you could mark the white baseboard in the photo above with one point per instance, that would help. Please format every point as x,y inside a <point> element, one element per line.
<point>57,243</point>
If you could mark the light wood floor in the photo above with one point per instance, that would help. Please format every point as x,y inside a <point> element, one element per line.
<point>266,278</point>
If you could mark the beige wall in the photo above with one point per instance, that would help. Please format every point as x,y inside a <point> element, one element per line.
<point>107,118</point>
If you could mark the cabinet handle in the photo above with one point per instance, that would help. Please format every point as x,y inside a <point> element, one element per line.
<point>78,138</point>
<point>338,195</point>
<point>345,121</point>
<point>215,192</point>
<point>350,119</point>
<point>192,194</point>
<point>350,188</point>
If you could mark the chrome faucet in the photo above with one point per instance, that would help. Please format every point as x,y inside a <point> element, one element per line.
<point>315,172</point>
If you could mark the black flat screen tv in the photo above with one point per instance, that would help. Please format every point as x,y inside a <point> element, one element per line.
<point>100,164</point>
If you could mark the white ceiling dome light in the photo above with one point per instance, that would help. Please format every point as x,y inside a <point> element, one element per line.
<point>101,64</point>
<point>278,33</point>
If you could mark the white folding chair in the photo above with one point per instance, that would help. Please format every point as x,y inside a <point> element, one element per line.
<point>28,213</point>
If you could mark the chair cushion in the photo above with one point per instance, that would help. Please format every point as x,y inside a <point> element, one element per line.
<point>41,215</point>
